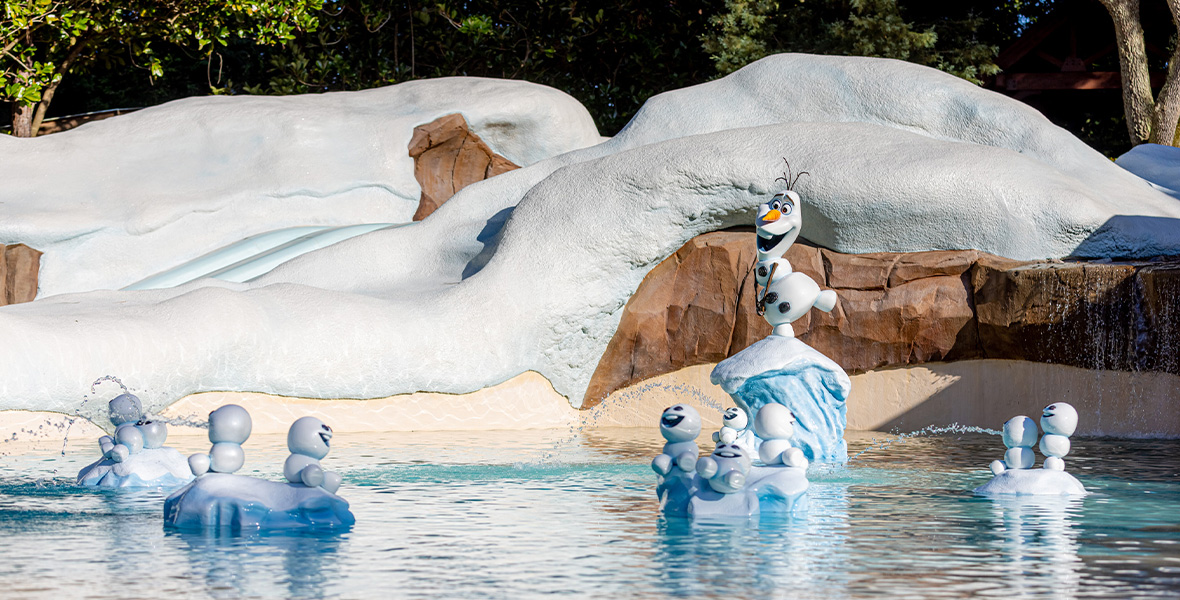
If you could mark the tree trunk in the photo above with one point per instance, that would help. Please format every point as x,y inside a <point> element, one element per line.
<point>1167,104</point>
<point>43,105</point>
<point>22,120</point>
<point>1137,99</point>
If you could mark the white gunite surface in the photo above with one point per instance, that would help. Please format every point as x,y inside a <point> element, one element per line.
<point>1156,163</point>
<point>115,201</point>
<point>530,270</point>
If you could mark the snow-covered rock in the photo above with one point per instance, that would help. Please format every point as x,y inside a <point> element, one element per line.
<point>115,201</point>
<point>1156,163</point>
<point>222,501</point>
<point>150,467</point>
<point>1032,482</point>
<point>529,270</point>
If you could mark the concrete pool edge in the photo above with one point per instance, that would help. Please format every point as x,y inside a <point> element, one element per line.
<point>972,392</point>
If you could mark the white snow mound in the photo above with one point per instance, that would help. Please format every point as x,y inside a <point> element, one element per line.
<point>530,270</point>
<point>1156,163</point>
<point>115,201</point>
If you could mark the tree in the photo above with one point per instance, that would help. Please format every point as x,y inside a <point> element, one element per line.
<point>948,40</point>
<point>609,54</point>
<point>1151,120</point>
<point>44,40</point>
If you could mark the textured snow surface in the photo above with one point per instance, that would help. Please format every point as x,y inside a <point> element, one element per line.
<point>1156,163</point>
<point>530,270</point>
<point>222,501</point>
<point>150,467</point>
<point>1032,482</point>
<point>115,201</point>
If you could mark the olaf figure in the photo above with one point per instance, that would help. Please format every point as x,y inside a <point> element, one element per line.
<point>308,440</point>
<point>1059,420</point>
<point>788,298</point>
<point>229,428</point>
<point>779,220</point>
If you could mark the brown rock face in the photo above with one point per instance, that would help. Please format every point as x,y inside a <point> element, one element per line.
<point>448,157</point>
<point>19,266</point>
<point>697,307</point>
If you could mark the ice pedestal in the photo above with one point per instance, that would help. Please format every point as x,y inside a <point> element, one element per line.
<point>768,490</point>
<point>222,501</point>
<point>783,369</point>
<point>151,467</point>
<point>1032,482</point>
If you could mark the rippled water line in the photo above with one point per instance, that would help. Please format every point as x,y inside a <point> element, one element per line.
<point>879,444</point>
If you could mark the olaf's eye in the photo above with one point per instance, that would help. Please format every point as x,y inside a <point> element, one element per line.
<point>775,205</point>
<point>772,297</point>
<point>785,307</point>
<point>788,207</point>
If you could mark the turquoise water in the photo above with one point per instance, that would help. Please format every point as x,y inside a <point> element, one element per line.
<point>479,517</point>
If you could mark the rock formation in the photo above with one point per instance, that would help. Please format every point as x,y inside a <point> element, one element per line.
<point>901,309</point>
<point>19,266</point>
<point>448,157</point>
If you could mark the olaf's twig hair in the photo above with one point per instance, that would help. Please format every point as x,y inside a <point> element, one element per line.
<point>787,176</point>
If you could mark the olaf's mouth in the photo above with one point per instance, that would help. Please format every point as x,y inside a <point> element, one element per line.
<point>671,420</point>
<point>766,244</point>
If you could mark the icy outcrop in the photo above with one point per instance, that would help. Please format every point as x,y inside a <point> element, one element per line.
<point>785,370</point>
<point>535,265</point>
<point>227,502</point>
<point>202,173</point>
<point>151,467</point>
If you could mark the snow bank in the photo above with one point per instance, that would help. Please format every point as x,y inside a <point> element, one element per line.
<point>1158,164</point>
<point>530,270</point>
<point>115,201</point>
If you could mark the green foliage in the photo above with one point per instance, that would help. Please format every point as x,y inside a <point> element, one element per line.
<point>740,33</point>
<point>609,54</point>
<point>43,40</point>
<point>749,30</point>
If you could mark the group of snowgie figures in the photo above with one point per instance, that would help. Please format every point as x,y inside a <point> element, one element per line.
<point>729,483</point>
<point>136,456</point>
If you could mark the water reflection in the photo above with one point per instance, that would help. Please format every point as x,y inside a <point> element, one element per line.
<point>1036,537</point>
<point>262,564</point>
<point>803,556</point>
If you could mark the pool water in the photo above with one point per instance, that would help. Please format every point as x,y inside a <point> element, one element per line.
<point>523,514</point>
